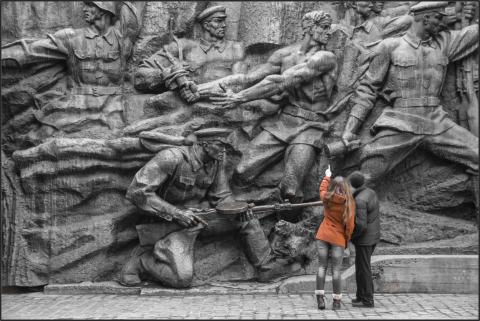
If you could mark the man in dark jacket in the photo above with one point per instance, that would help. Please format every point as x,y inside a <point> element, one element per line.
<point>365,237</point>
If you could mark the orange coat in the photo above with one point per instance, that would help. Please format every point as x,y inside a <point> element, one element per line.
<point>332,229</point>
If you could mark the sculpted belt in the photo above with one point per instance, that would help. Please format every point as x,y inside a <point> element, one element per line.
<point>417,102</point>
<point>303,113</point>
<point>97,90</point>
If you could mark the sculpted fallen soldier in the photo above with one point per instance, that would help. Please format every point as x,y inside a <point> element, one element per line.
<point>306,72</point>
<point>167,188</point>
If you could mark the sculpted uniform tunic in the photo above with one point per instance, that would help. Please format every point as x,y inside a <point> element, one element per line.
<point>95,66</point>
<point>414,72</point>
<point>205,61</point>
<point>176,176</point>
<point>358,50</point>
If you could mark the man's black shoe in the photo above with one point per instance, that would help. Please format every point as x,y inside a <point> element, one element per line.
<point>361,304</point>
<point>356,300</point>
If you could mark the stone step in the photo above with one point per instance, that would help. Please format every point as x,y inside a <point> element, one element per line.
<point>392,274</point>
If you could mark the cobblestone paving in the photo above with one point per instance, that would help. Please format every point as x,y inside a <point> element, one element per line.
<point>265,306</point>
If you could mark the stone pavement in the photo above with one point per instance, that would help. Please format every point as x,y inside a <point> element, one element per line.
<point>234,306</point>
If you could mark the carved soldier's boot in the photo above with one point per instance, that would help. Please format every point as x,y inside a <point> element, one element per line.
<point>131,271</point>
<point>274,268</point>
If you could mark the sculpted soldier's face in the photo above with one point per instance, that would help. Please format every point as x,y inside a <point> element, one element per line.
<point>377,6</point>
<point>214,149</point>
<point>321,33</point>
<point>433,23</point>
<point>216,26</point>
<point>91,12</point>
<point>364,8</point>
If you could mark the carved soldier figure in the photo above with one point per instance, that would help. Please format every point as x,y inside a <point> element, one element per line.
<point>183,63</point>
<point>168,187</point>
<point>95,58</point>
<point>307,73</point>
<point>370,27</point>
<point>412,69</point>
<point>365,31</point>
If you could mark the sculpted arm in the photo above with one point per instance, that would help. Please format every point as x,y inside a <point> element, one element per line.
<point>27,52</point>
<point>220,190</point>
<point>244,80</point>
<point>316,65</point>
<point>129,26</point>
<point>152,72</point>
<point>367,91</point>
<point>461,43</point>
<point>149,179</point>
<point>149,76</point>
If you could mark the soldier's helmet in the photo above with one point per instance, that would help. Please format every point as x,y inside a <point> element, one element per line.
<point>109,6</point>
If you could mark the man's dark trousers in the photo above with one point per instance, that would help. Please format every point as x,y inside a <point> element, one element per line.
<point>363,273</point>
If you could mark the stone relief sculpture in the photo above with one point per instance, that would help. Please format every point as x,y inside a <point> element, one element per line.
<point>182,65</point>
<point>95,58</point>
<point>414,66</point>
<point>184,177</point>
<point>116,162</point>
<point>294,135</point>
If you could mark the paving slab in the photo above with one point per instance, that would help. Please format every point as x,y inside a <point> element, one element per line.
<point>234,306</point>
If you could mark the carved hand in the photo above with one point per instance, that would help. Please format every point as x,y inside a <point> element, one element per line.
<point>211,89</point>
<point>347,137</point>
<point>351,126</point>
<point>246,216</point>
<point>227,100</point>
<point>189,92</point>
<point>469,9</point>
<point>188,218</point>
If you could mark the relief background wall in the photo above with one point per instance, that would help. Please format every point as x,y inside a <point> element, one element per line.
<point>74,224</point>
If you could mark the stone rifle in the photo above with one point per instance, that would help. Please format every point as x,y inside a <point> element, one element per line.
<point>223,217</point>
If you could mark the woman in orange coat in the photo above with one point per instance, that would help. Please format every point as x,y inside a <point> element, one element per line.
<point>334,233</point>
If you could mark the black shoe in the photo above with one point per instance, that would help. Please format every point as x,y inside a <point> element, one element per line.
<point>336,305</point>
<point>356,300</point>
<point>321,302</point>
<point>362,304</point>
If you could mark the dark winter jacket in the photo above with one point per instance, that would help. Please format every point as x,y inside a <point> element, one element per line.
<point>367,217</point>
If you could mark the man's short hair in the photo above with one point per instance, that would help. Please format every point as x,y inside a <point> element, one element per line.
<point>315,18</point>
<point>356,179</point>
